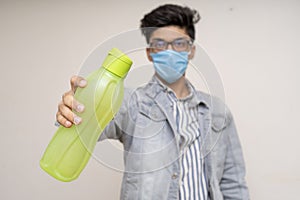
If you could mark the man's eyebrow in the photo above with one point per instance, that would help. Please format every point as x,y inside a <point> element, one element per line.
<point>179,38</point>
<point>158,39</point>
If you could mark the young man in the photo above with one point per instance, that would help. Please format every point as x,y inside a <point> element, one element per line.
<point>179,143</point>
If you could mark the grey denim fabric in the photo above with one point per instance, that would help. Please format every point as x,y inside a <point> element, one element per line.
<point>146,127</point>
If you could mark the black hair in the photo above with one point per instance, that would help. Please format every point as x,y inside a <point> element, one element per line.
<point>168,15</point>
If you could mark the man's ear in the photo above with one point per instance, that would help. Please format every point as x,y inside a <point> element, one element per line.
<point>148,51</point>
<point>191,55</point>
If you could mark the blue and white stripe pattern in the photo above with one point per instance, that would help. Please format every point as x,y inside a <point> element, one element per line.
<point>192,177</point>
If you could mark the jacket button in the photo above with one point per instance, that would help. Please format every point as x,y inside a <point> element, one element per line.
<point>175,175</point>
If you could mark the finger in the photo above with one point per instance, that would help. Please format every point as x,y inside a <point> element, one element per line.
<point>69,101</point>
<point>77,81</point>
<point>67,113</point>
<point>63,121</point>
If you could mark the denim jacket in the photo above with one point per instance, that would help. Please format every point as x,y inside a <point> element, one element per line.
<point>146,127</point>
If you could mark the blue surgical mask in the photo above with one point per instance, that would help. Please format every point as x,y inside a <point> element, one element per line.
<point>170,65</point>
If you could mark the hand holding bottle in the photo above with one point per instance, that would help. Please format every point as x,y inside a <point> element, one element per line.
<point>65,115</point>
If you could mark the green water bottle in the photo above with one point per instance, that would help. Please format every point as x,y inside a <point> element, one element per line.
<point>70,148</point>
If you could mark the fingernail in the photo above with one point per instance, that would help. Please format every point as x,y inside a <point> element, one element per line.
<point>77,120</point>
<point>67,123</point>
<point>79,108</point>
<point>82,83</point>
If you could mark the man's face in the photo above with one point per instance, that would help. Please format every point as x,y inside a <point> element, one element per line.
<point>178,36</point>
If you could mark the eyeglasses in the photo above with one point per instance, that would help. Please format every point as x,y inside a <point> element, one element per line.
<point>180,44</point>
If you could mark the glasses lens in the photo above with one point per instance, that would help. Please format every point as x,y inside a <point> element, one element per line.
<point>158,44</point>
<point>180,45</point>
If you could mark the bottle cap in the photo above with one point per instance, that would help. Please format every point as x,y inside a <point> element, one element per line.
<point>117,62</point>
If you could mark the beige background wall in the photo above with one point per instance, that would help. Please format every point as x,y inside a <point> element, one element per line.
<point>254,44</point>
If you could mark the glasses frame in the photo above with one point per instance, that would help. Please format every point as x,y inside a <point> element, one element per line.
<point>172,43</point>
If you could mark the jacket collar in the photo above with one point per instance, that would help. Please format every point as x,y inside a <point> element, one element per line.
<point>158,92</point>
<point>156,87</point>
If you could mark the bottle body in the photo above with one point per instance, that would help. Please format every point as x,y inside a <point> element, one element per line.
<point>70,149</point>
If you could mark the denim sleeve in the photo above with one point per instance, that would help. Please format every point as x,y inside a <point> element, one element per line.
<point>114,128</point>
<point>233,184</point>
<point>122,120</point>
<point>111,131</point>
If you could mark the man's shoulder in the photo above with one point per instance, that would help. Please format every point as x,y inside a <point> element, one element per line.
<point>150,90</point>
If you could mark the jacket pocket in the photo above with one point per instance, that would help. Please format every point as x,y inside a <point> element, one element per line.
<point>219,123</point>
<point>152,112</point>
<point>150,121</point>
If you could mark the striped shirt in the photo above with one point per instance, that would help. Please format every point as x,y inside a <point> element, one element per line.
<point>192,176</point>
